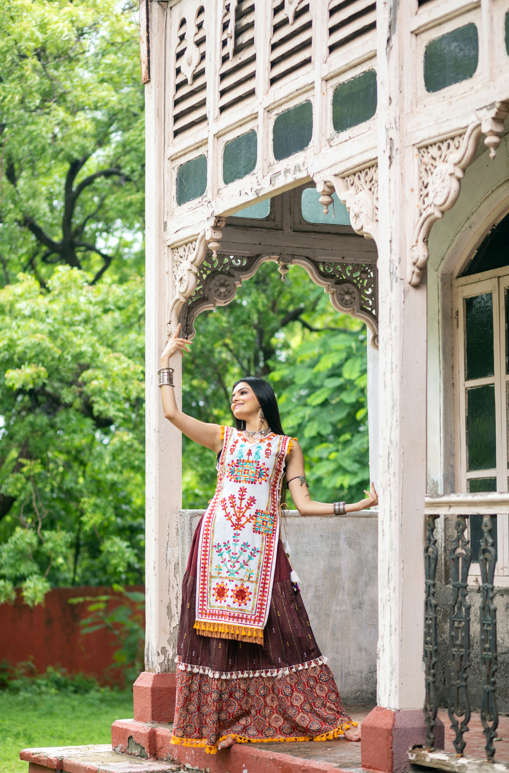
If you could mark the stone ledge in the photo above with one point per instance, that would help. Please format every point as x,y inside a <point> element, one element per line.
<point>448,761</point>
<point>241,758</point>
<point>97,758</point>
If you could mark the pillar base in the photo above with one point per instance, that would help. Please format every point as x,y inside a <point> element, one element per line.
<point>388,735</point>
<point>154,697</point>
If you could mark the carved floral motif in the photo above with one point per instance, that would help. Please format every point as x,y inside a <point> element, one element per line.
<point>186,260</point>
<point>359,193</point>
<point>442,166</point>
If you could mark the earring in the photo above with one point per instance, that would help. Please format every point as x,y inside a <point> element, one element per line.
<point>261,415</point>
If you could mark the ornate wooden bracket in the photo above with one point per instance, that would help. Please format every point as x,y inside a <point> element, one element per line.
<point>352,286</point>
<point>186,260</point>
<point>359,193</point>
<point>442,165</point>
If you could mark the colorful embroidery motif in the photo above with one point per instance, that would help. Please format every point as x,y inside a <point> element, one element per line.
<point>247,471</point>
<point>240,509</point>
<point>220,592</point>
<point>241,594</point>
<point>238,540</point>
<point>264,523</point>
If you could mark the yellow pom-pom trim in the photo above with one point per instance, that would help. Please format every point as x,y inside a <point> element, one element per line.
<point>227,631</point>
<point>203,743</point>
<point>290,444</point>
<point>222,432</point>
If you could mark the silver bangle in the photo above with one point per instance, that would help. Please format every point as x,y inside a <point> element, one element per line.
<point>336,508</point>
<point>165,377</point>
<point>342,508</point>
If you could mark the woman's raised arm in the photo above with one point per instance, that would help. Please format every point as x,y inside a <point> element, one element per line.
<point>299,490</point>
<point>208,435</point>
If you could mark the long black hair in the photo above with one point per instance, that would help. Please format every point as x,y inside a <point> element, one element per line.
<point>268,403</point>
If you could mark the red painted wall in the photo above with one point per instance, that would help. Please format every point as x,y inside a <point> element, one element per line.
<point>50,634</point>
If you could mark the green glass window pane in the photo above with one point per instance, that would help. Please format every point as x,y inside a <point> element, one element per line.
<point>312,210</point>
<point>257,211</point>
<point>191,180</point>
<point>239,157</point>
<point>477,485</point>
<point>481,438</point>
<point>452,58</point>
<point>292,131</point>
<point>479,354</point>
<point>354,101</point>
<point>507,32</point>
<point>476,535</point>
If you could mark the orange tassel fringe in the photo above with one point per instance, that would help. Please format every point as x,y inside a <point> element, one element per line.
<point>228,631</point>
<point>203,743</point>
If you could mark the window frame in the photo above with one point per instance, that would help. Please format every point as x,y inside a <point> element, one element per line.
<point>496,282</point>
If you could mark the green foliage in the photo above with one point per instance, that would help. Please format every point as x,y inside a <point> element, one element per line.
<point>125,620</point>
<point>23,678</point>
<point>29,719</point>
<point>71,139</point>
<point>316,360</point>
<point>72,452</point>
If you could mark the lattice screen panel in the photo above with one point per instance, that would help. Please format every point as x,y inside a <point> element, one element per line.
<point>238,54</point>
<point>189,102</point>
<point>290,46</point>
<point>348,20</point>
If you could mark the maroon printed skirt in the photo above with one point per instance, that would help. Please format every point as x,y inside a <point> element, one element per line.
<point>281,691</point>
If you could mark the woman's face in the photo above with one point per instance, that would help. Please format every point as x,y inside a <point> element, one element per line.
<point>244,401</point>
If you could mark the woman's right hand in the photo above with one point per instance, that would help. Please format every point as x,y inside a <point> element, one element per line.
<point>173,345</point>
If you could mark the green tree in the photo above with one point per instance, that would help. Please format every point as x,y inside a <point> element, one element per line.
<point>315,358</point>
<point>72,435</point>
<point>71,138</point>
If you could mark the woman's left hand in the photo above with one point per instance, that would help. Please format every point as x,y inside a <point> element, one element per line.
<point>372,499</point>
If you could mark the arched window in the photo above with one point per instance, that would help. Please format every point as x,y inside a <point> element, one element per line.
<point>482,367</point>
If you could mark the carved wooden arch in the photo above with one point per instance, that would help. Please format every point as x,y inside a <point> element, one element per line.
<point>352,287</point>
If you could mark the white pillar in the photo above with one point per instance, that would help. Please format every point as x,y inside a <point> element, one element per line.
<point>402,362</point>
<point>373,392</point>
<point>163,441</point>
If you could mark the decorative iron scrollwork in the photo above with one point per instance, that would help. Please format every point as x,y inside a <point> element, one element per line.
<point>459,634</point>
<point>430,629</point>
<point>488,620</point>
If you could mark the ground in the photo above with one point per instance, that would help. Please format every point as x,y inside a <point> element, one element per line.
<point>56,720</point>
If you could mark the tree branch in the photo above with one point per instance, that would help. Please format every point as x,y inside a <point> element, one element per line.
<point>107,259</point>
<point>113,172</point>
<point>4,266</point>
<point>41,236</point>
<point>78,231</point>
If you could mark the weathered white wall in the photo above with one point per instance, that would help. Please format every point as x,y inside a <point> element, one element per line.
<point>336,560</point>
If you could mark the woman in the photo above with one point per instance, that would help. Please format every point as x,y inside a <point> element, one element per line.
<point>249,668</point>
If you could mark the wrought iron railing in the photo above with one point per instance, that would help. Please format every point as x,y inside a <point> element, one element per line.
<point>459,640</point>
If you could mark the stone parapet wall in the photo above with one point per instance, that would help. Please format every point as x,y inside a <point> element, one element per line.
<point>336,560</point>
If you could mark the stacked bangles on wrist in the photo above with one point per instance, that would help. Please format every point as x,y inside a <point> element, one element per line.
<point>166,377</point>
<point>339,508</point>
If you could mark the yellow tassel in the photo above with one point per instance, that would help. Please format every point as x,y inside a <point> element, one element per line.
<point>222,433</point>
<point>209,749</point>
<point>226,631</point>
